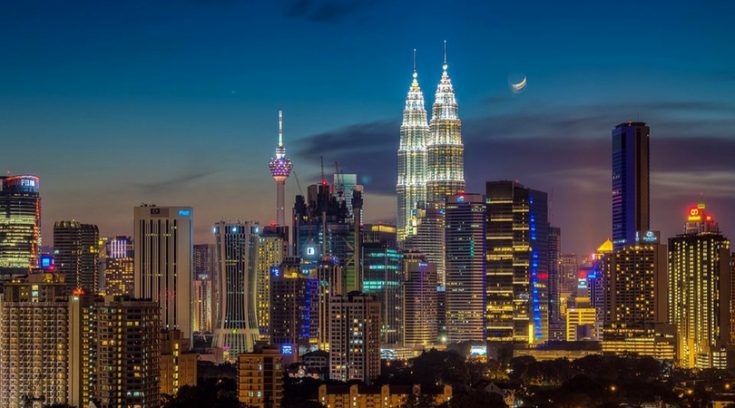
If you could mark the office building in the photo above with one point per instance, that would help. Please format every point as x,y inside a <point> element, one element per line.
<point>354,337</point>
<point>260,378</point>
<point>700,290</point>
<point>330,275</point>
<point>128,345</point>
<point>465,267</point>
<point>323,226</point>
<point>20,225</point>
<point>294,310</point>
<point>76,254</point>
<point>178,368</point>
<point>383,278</point>
<point>163,263</point>
<point>635,289</point>
<point>34,331</point>
<point>444,150</point>
<point>517,263</point>
<point>412,157</point>
<point>236,325</point>
<point>116,261</point>
<point>272,250</point>
<point>280,167</point>
<point>631,205</point>
<point>420,326</point>
<point>568,266</point>
<point>556,323</point>
<point>429,238</point>
<point>345,186</point>
<point>204,289</point>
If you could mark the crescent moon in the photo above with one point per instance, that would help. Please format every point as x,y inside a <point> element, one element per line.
<point>519,86</point>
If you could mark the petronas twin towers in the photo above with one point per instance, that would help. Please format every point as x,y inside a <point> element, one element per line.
<point>430,155</point>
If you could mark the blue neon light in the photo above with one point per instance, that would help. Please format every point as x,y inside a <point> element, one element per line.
<point>184,213</point>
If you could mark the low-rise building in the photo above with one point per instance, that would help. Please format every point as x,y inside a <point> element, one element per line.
<point>383,396</point>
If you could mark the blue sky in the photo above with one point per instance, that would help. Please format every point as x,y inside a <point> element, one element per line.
<point>174,102</point>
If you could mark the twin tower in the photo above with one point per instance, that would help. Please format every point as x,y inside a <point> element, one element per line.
<point>430,154</point>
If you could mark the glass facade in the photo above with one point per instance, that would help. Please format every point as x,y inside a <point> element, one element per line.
<point>20,224</point>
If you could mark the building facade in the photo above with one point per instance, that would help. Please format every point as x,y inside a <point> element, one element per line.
<point>260,378</point>
<point>76,254</point>
<point>178,368</point>
<point>517,263</point>
<point>272,251</point>
<point>631,204</point>
<point>236,325</point>
<point>354,337</point>
<point>163,263</point>
<point>700,290</point>
<point>420,323</point>
<point>465,267</point>
<point>117,265</point>
<point>412,157</point>
<point>20,224</point>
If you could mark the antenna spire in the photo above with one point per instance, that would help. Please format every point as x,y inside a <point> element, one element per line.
<point>280,128</point>
<point>414,60</point>
<point>445,54</point>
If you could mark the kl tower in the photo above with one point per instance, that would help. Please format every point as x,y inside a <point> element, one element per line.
<point>280,167</point>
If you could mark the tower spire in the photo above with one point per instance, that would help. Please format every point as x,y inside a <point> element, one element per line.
<point>280,128</point>
<point>445,66</point>
<point>414,63</point>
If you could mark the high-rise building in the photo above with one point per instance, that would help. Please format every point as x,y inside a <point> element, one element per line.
<point>76,252</point>
<point>465,279</point>
<point>517,263</point>
<point>280,167</point>
<point>178,368</point>
<point>204,289</point>
<point>34,331</point>
<point>330,275</point>
<point>567,266</point>
<point>419,301</point>
<point>412,157</point>
<point>429,238</point>
<point>20,225</point>
<point>630,182</point>
<point>345,186</point>
<point>556,323</point>
<point>635,289</point>
<point>260,378</point>
<point>272,250</point>
<point>323,226</point>
<point>294,310</point>
<point>117,266</point>
<point>354,337</point>
<point>700,290</point>
<point>163,263</point>
<point>445,152</point>
<point>383,278</point>
<point>128,346</point>
<point>236,326</point>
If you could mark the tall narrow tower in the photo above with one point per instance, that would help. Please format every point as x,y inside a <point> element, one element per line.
<point>280,167</point>
<point>445,151</point>
<point>411,186</point>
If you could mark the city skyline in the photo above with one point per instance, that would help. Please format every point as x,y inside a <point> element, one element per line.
<point>103,118</point>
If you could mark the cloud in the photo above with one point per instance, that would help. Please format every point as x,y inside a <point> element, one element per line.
<point>173,183</point>
<point>324,11</point>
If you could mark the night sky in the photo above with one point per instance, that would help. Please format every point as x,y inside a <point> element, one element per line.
<point>174,102</point>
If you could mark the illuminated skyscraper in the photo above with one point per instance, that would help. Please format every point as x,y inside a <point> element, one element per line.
<point>465,289</point>
<point>556,323</point>
<point>517,263</point>
<point>76,251</point>
<point>383,278</point>
<point>630,182</point>
<point>280,167</point>
<point>204,289</point>
<point>354,337</point>
<point>445,152</point>
<point>34,330</point>
<point>429,238</point>
<point>294,310</point>
<point>236,325</point>
<point>700,291</point>
<point>20,224</point>
<point>163,263</point>
<point>419,301</point>
<point>412,156</point>
<point>272,250</point>
<point>117,265</point>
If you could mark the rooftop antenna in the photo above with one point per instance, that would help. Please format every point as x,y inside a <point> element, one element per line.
<point>445,55</point>
<point>280,128</point>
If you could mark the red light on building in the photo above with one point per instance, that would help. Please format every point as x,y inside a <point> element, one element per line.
<point>77,292</point>
<point>694,214</point>
<point>542,276</point>
<point>582,274</point>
